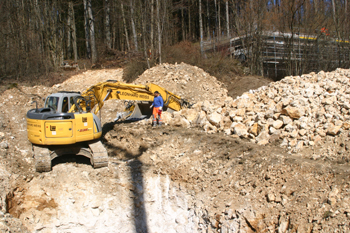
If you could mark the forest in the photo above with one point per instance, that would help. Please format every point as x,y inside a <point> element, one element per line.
<point>37,36</point>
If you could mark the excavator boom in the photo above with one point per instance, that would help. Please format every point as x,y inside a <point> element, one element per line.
<point>104,91</point>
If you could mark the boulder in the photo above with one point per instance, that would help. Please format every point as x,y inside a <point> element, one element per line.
<point>263,137</point>
<point>255,129</point>
<point>201,119</point>
<point>206,106</point>
<point>239,129</point>
<point>209,128</point>
<point>346,125</point>
<point>215,119</point>
<point>286,119</point>
<point>277,124</point>
<point>180,122</point>
<point>166,117</point>
<point>333,129</point>
<point>292,112</point>
<point>190,114</point>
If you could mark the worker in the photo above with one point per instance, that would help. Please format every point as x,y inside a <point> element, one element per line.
<point>157,109</point>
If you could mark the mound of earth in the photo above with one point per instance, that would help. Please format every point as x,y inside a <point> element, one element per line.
<point>188,82</point>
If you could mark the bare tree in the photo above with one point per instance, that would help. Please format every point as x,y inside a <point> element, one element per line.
<point>208,21</point>
<point>182,20</point>
<point>152,26</point>
<point>159,33</point>
<point>87,30</point>
<point>227,19</point>
<point>71,33</point>
<point>107,24</point>
<point>201,26</point>
<point>133,25</point>
<point>125,27</point>
<point>74,32</point>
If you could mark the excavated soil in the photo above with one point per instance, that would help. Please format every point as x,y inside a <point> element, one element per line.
<point>170,178</point>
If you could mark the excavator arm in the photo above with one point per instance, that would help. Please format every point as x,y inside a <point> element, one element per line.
<point>96,95</point>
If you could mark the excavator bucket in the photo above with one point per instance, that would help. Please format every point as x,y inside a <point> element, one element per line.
<point>141,111</point>
<point>135,111</point>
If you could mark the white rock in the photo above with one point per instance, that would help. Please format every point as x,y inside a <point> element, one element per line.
<point>215,119</point>
<point>239,129</point>
<point>277,124</point>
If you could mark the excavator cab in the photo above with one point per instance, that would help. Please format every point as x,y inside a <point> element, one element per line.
<point>61,102</point>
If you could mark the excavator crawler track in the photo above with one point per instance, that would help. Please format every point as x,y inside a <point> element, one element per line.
<point>96,152</point>
<point>42,159</point>
<point>99,155</point>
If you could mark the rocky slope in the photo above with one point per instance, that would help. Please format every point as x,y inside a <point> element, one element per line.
<point>301,111</point>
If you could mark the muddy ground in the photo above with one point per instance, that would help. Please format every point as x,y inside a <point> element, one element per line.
<point>169,179</point>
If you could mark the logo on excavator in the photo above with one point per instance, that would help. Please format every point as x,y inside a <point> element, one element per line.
<point>83,130</point>
<point>134,95</point>
<point>144,96</point>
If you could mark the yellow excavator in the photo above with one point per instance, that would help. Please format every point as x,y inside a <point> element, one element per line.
<point>70,119</point>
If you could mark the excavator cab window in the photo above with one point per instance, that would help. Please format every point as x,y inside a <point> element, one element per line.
<point>65,104</point>
<point>71,103</point>
<point>52,102</point>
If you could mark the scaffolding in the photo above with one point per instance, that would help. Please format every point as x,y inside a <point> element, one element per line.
<point>282,54</point>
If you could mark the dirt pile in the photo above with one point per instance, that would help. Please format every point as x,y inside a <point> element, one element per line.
<point>188,82</point>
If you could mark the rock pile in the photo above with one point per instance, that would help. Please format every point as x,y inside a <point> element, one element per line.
<point>300,110</point>
<point>189,82</point>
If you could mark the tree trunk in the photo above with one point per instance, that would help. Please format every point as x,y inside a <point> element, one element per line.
<point>74,31</point>
<point>41,46</point>
<point>144,42</point>
<point>208,23</point>
<point>159,34</point>
<point>189,20</point>
<point>92,33</point>
<point>216,19</point>
<point>315,2</point>
<point>346,7</point>
<point>182,20</point>
<point>87,30</point>
<point>125,28</point>
<point>333,10</point>
<point>69,28</point>
<point>152,27</point>
<point>107,25</point>
<point>336,20</point>
<point>133,25</point>
<point>227,20</point>
<point>219,14</point>
<point>201,26</point>
<point>60,38</point>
